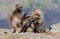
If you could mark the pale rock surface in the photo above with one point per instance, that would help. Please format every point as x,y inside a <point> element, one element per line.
<point>7,34</point>
<point>55,28</point>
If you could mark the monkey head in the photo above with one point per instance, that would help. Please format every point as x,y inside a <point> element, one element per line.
<point>18,8</point>
<point>37,14</point>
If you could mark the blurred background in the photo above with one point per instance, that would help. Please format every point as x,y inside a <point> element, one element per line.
<point>50,8</point>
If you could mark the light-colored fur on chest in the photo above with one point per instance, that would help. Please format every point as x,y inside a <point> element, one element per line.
<point>15,21</point>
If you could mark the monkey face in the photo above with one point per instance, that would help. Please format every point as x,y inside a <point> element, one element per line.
<point>35,14</point>
<point>18,8</point>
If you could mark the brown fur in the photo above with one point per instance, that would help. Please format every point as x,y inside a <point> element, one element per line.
<point>15,18</point>
<point>26,21</point>
<point>40,25</point>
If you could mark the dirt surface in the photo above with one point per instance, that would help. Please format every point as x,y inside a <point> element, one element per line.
<point>7,34</point>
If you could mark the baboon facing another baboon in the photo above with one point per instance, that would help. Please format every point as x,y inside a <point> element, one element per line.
<point>35,22</point>
<point>16,17</point>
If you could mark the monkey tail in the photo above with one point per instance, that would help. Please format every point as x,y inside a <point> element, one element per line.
<point>49,32</point>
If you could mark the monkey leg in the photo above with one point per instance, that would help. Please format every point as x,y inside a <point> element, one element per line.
<point>35,31</point>
<point>19,27</point>
<point>24,28</point>
<point>14,30</point>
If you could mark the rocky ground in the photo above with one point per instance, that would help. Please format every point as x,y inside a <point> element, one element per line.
<point>54,33</point>
<point>7,34</point>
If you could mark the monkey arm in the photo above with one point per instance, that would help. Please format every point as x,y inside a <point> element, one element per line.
<point>24,17</point>
<point>24,28</point>
<point>11,18</point>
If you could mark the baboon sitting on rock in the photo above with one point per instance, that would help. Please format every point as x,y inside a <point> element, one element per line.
<point>38,16</point>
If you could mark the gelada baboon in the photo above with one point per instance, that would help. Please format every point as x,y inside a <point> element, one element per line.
<point>38,16</point>
<point>38,22</point>
<point>15,18</point>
